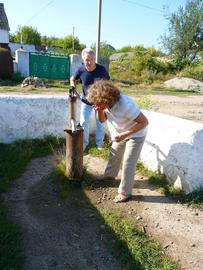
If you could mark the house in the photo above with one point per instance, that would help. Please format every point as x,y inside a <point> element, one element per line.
<point>4,28</point>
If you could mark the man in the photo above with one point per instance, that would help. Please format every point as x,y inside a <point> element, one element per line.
<point>88,73</point>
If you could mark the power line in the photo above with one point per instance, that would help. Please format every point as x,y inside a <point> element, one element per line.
<point>42,9</point>
<point>141,5</point>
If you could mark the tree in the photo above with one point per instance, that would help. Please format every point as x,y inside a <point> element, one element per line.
<point>29,34</point>
<point>125,49</point>
<point>63,45</point>
<point>105,49</point>
<point>185,32</point>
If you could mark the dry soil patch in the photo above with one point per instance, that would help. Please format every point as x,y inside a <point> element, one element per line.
<point>65,235</point>
<point>189,107</point>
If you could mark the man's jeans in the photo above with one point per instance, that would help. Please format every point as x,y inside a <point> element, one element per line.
<point>84,122</point>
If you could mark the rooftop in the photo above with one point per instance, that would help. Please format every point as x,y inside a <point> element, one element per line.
<point>3,19</point>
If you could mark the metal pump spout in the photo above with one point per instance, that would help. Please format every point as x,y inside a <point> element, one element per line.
<point>72,110</point>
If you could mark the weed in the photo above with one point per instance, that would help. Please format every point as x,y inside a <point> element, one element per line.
<point>133,248</point>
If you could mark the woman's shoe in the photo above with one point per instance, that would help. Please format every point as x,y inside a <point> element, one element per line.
<point>122,198</point>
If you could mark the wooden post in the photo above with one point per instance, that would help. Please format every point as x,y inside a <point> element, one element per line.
<point>74,153</point>
<point>74,141</point>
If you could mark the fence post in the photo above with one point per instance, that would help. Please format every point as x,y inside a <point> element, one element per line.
<point>22,60</point>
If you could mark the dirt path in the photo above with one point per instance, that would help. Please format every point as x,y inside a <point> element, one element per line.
<point>66,235</point>
<point>190,107</point>
<point>57,235</point>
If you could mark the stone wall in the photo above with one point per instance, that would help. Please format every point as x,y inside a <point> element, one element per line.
<point>173,146</point>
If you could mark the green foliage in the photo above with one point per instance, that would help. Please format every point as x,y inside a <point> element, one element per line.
<point>125,49</point>
<point>16,77</point>
<point>143,65</point>
<point>29,35</point>
<point>133,248</point>
<point>14,80</point>
<point>185,32</point>
<point>92,149</point>
<point>144,102</point>
<point>194,71</point>
<point>6,64</point>
<point>194,198</point>
<point>10,243</point>
<point>65,184</point>
<point>65,45</point>
<point>105,49</point>
<point>14,157</point>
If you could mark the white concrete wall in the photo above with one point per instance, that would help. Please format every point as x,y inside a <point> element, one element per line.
<point>173,146</point>
<point>34,116</point>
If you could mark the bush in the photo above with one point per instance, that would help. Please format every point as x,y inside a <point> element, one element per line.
<point>14,80</point>
<point>6,67</point>
<point>194,71</point>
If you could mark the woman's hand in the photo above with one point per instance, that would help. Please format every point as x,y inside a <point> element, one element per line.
<point>97,108</point>
<point>120,137</point>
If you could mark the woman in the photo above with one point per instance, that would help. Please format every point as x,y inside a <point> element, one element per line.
<point>127,127</point>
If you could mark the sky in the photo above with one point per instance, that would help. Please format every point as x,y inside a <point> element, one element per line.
<point>123,22</point>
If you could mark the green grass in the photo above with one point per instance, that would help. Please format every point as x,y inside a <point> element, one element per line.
<point>133,248</point>
<point>92,149</point>
<point>128,88</point>
<point>144,102</point>
<point>11,247</point>
<point>16,79</point>
<point>193,199</point>
<point>64,184</point>
<point>13,161</point>
<point>15,157</point>
<point>134,91</point>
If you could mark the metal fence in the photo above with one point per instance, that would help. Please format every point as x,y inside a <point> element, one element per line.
<point>54,67</point>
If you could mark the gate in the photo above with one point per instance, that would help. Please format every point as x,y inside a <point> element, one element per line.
<point>48,66</point>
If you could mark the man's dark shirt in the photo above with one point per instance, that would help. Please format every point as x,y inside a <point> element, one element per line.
<point>89,77</point>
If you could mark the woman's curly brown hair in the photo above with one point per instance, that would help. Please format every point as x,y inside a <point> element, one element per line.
<point>103,91</point>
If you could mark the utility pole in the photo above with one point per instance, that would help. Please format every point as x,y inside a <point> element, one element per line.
<point>73,37</point>
<point>98,30</point>
<point>21,38</point>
